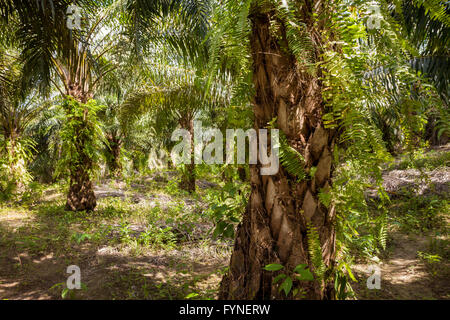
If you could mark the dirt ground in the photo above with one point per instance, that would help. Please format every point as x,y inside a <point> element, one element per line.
<point>114,274</point>
<point>110,273</point>
<point>37,269</point>
<point>403,274</point>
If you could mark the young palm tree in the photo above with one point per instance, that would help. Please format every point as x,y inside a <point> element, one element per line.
<point>314,100</point>
<point>177,93</point>
<point>18,107</point>
<point>427,26</point>
<point>53,53</point>
<point>284,218</point>
<point>425,29</point>
<point>180,86</point>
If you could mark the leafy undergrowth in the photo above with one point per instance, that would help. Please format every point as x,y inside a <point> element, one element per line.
<point>145,240</point>
<point>415,264</point>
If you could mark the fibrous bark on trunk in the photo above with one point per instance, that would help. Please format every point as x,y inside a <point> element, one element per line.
<point>281,209</point>
<point>81,193</point>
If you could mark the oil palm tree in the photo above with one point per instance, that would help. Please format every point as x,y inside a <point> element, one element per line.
<point>18,108</point>
<point>177,92</point>
<point>425,27</point>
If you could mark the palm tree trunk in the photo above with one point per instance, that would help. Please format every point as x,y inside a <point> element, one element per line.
<point>81,196</point>
<point>11,137</point>
<point>114,147</point>
<point>282,211</point>
<point>188,178</point>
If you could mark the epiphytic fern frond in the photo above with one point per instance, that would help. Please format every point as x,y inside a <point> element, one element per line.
<point>291,160</point>
<point>315,252</point>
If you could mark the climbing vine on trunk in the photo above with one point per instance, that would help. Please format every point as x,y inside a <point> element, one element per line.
<point>285,223</point>
<point>82,137</point>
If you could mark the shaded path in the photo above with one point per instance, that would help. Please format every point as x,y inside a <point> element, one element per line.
<point>403,274</point>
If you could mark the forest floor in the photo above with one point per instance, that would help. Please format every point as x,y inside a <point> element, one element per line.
<point>416,261</point>
<point>148,240</point>
<point>404,275</point>
<point>134,246</point>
